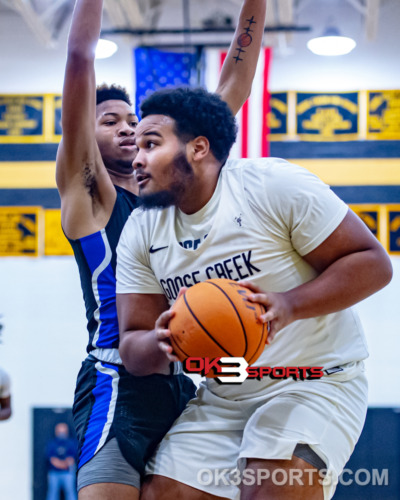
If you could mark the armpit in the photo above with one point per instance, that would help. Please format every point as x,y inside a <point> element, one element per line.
<point>90,180</point>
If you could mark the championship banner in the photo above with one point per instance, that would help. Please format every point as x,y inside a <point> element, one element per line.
<point>20,231</point>
<point>278,115</point>
<point>55,241</point>
<point>394,229</point>
<point>21,119</point>
<point>383,115</point>
<point>369,214</point>
<point>327,116</point>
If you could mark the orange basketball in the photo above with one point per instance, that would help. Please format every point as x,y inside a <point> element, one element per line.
<point>214,318</point>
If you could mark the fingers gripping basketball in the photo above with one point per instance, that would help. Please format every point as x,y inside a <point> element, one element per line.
<point>214,318</point>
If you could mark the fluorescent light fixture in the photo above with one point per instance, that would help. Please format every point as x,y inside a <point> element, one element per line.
<point>105,48</point>
<point>331,43</point>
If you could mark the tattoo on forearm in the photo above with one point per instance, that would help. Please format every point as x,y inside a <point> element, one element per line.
<point>244,40</point>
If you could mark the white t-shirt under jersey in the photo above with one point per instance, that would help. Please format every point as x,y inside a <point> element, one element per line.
<point>269,213</point>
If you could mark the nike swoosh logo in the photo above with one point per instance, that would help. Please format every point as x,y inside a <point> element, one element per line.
<point>154,250</point>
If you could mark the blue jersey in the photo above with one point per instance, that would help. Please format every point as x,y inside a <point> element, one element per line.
<point>96,257</point>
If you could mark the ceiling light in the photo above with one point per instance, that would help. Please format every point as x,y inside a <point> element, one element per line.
<point>331,43</point>
<point>105,48</point>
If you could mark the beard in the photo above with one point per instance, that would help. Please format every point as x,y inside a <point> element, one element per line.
<point>162,199</point>
<point>183,173</point>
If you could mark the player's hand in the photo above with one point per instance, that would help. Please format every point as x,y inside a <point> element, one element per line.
<point>279,312</point>
<point>163,334</point>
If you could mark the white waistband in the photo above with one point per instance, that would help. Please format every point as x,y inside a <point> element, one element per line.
<point>107,355</point>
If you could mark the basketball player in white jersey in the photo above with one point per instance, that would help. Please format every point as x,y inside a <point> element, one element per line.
<point>308,259</point>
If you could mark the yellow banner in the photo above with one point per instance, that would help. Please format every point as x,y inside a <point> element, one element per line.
<point>370,215</point>
<point>308,116</point>
<point>55,242</point>
<point>20,231</point>
<point>32,119</point>
<point>383,116</point>
<point>32,231</point>
<point>384,222</point>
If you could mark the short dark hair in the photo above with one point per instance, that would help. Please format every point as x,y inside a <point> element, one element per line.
<point>106,92</point>
<point>196,113</point>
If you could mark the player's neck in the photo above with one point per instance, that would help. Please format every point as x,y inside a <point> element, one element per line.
<point>124,180</point>
<point>199,194</point>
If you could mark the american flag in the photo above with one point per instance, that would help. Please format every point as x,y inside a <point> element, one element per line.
<point>155,69</point>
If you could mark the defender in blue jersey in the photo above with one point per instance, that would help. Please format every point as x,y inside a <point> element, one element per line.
<point>119,418</point>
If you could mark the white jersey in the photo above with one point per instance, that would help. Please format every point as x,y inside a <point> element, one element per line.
<point>268,214</point>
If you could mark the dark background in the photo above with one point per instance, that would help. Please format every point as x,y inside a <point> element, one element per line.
<point>44,421</point>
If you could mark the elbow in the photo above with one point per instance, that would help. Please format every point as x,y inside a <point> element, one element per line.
<point>141,355</point>
<point>124,353</point>
<point>133,365</point>
<point>78,56</point>
<point>387,272</point>
<point>384,268</point>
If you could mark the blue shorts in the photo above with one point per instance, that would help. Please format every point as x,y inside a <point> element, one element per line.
<point>137,411</point>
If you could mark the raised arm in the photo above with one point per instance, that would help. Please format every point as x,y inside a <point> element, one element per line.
<point>80,172</point>
<point>240,65</point>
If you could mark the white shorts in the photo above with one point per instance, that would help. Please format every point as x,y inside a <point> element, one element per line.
<point>209,443</point>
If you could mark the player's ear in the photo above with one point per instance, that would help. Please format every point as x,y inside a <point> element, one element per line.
<point>198,148</point>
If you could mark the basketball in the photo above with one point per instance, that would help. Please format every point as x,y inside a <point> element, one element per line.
<point>214,318</point>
